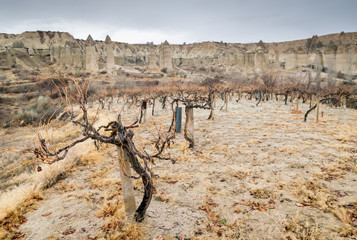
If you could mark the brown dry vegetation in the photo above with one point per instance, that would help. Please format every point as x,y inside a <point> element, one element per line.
<point>256,172</point>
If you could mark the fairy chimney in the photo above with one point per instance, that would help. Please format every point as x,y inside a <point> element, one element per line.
<point>110,55</point>
<point>91,56</point>
<point>152,60</point>
<point>166,56</point>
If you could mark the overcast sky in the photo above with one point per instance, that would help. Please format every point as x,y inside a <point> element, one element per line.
<point>141,21</point>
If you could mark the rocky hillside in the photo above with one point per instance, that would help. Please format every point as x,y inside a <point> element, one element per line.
<point>61,51</point>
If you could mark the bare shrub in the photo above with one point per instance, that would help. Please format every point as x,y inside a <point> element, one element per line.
<point>42,110</point>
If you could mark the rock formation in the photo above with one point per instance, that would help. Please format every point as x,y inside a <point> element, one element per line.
<point>152,60</point>
<point>36,50</point>
<point>166,57</point>
<point>91,56</point>
<point>110,55</point>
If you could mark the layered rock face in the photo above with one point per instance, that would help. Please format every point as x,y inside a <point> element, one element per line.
<point>33,50</point>
<point>36,50</point>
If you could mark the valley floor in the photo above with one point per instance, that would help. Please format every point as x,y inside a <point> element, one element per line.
<point>256,172</point>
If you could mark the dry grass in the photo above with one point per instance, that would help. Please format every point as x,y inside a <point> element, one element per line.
<point>298,228</point>
<point>47,177</point>
<point>241,175</point>
<point>99,182</point>
<point>311,193</point>
<point>253,171</point>
<point>61,138</point>
<point>263,193</point>
<point>95,157</point>
<point>218,225</point>
<point>128,231</point>
<point>346,132</point>
<point>112,208</point>
<point>337,170</point>
<point>50,174</point>
<point>116,227</point>
<point>173,178</point>
<point>9,226</point>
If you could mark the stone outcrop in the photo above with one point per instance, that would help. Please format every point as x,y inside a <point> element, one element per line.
<point>110,55</point>
<point>166,56</point>
<point>36,50</point>
<point>31,50</point>
<point>152,60</point>
<point>91,56</point>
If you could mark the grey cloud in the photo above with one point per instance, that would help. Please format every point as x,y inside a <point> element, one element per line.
<point>198,20</point>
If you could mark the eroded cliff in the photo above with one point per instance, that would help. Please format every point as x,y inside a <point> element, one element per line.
<point>61,51</point>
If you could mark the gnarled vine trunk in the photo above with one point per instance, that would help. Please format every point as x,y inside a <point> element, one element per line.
<point>189,126</point>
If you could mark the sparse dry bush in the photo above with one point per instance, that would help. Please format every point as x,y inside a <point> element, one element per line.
<point>297,228</point>
<point>316,195</point>
<point>41,110</point>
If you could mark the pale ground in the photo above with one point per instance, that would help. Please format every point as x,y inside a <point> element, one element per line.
<point>255,173</point>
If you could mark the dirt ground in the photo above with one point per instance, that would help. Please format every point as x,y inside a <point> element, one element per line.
<point>256,172</point>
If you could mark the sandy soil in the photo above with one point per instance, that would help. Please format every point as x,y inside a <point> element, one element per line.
<point>255,173</point>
